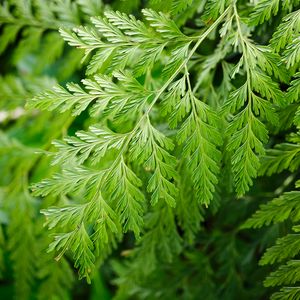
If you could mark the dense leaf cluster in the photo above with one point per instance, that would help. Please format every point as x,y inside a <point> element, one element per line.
<point>139,132</point>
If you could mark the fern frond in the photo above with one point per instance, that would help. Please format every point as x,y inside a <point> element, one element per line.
<point>81,246</point>
<point>148,76</point>
<point>277,210</point>
<point>201,138</point>
<point>286,30</point>
<point>16,90</point>
<point>31,27</point>
<point>61,99</point>
<point>74,178</point>
<point>116,97</point>
<point>92,144</point>
<point>150,147</point>
<point>170,123</point>
<point>287,293</point>
<point>263,11</point>
<point>90,7</point>
<point>107,228</point>
<point>214,9</point>
<point>247,134</point>
<point>291,55</point>
<point>291,244</point>
<point>190,214</point>
<point>293,91</point>
<point>161,225</point>
<point>101,93</point>
<point>286,274</point>
<point>21,244</point>
<point>119,38</point>
<point>123,186</point>
<point>165,26</point>
<point>180,5</point>
<point>283,156</point>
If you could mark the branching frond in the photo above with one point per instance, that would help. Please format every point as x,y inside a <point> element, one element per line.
<point>247,134</point>
<point>170,121</point>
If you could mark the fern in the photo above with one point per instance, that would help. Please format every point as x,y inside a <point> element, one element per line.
<point>15,90</point>
<point>179,5</point>
<point>119,94</point>
<point>37,23</point>
<point>285,31</point>
<point>247,132</point>
<point>283,156</point>
<point>147,146</point>
<point>263,11</point>
<point>175,110</point>
<point>274,254</point>
<point>286,204</point>
<point>21,246</point>
<point>278,210</point>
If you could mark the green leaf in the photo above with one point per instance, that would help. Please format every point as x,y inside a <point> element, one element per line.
<point>289,26</point>
<point>286,274</point>
<point>283,156</point>
<point>275,211</point>
<point>286,247</point>
<point>263,11</point>
<point>81,247</point>
<point>150,148</point>
<point>123,187</point>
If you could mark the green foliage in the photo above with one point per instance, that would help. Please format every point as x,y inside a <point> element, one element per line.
<point>286,30</point>
<point>129,128</point>
<point>263,11</point>
<point>283,156</point>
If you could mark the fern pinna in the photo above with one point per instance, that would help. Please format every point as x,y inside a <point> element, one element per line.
<point>179,109</point>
